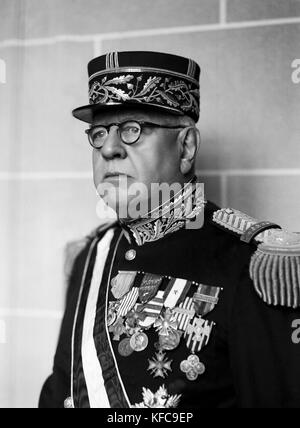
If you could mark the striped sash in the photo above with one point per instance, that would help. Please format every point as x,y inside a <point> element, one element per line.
<point>96,381</point>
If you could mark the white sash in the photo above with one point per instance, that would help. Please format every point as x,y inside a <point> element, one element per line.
<point>91,366</point>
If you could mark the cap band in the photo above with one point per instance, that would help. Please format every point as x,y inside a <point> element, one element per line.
<point>147,88</point>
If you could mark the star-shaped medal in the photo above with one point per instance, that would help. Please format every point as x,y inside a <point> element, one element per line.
<point>166,323</point>
<point>160,366</point>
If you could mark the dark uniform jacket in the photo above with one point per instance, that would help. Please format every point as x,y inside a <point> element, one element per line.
<point>250,359</point>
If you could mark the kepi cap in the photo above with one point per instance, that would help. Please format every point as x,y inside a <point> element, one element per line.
<point>150,80</point>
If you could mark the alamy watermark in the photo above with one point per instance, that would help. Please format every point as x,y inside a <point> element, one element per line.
<point>130,201</point>
<point>296,73</point>
<point>2,71</point>
<point>296,331</point>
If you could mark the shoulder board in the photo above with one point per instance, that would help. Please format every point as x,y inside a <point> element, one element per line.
<point>275,266</point>
<point>248,228</point>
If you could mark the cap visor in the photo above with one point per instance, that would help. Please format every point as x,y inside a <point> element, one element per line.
<point>86,113</point>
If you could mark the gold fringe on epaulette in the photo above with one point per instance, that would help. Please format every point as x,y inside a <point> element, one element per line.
<point>275,269</point>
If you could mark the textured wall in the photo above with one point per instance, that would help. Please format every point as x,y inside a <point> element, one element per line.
<point>250,126</point>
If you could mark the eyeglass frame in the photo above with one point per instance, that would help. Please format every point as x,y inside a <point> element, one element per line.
<point>142,124</point>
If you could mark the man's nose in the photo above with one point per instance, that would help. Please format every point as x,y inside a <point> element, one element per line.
<point>113,146</point>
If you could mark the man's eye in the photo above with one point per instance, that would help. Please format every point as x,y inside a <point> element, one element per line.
<point>131,129</point>
<point>99,134</point>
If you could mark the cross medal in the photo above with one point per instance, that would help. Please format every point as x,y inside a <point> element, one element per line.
<point>197,336</point>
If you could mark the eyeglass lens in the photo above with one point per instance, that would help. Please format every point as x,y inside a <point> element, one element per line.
<point>129,132</point>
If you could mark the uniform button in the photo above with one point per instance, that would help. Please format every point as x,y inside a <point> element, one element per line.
<point>130,255</point>
<point>68,403</point>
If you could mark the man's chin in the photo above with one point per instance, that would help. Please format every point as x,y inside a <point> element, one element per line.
<point>127,208</point>
<point>127,197</point>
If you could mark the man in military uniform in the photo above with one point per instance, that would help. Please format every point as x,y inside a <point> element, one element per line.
<point>164,309</point>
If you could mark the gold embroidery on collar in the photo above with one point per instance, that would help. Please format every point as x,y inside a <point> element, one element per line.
<point>169,217</point>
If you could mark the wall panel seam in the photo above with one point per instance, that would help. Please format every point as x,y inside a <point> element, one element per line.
<point>146,33</point>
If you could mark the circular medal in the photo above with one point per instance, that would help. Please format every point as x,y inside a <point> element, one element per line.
<point>191,375</point>
<point>193,360</point>
<point>192,367</point>
<point>184,366</point>
<point>171,341</point>
<point>111,317</point>
<point>124,348</point>
<point>200,368</point>
<point>139,342</point>
<point>68,403</point>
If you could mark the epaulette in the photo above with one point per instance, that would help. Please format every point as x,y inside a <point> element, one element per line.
<point>275,265</point>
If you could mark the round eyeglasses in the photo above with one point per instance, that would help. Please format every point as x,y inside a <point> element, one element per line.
<point>129,132</point>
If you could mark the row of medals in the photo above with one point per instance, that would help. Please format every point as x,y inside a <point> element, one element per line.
<point>136,340</point>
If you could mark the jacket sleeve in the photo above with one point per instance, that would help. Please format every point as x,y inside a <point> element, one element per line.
<point>55,390</point>
<point>264,357</point>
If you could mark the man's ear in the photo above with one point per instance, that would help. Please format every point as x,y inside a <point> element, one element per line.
<point>189,141</point>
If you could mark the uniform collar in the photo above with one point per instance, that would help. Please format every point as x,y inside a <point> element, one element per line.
<point>169,217</point>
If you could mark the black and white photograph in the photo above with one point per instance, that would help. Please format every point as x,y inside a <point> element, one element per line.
<point>150,206</point>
